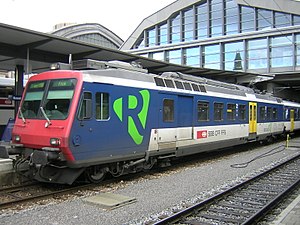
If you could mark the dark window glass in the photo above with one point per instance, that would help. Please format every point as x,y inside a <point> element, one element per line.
<point>269,113</point>
<point>231,109</point>
<point>275,114</point>
<point>262,113</point>
<point>195,87</point>
<point>187,86</point>
<point>218,111</point>
<point>169,83</point>
<point>168,110</point>
<point>85,111</point>
<point>242,112</point>
<point>159,82</point>
<point>202,88</point>
<point>203,111</point>
<point>102,106</point>
<point>179,84</point>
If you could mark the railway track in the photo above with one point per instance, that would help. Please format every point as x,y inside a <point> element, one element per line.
<point>11,196</point>
<point>245,203</point>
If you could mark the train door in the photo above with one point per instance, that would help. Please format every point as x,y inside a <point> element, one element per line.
<point>185,118</point>
<point>292,119</point>
<point>167,132</point>
<point>252,120</point>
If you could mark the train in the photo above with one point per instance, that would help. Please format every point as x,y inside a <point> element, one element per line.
<point>116,118</point>
<point>7,106</point>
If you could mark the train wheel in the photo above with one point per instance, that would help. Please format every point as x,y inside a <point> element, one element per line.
<point>96,174</point>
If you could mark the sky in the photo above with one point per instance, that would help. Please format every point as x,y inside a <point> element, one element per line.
<point>119,16</point>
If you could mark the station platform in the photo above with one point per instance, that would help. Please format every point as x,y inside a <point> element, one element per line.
<point>291,215</point>
<point>6,172</point>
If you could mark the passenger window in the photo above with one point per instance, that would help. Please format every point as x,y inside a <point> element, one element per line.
<point>85,111</point>
<point>168,110</point>
<point>269,113</point>
<point>203,111</point>
<point>242,112</point>
<point>231,109</point>
<point>218,111</point>
<point>275,114</point>
<point>286,114</point>
<point>262,113</point>
<point>102,106</point>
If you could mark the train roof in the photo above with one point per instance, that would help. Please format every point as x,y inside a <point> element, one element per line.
<point>133,75</point>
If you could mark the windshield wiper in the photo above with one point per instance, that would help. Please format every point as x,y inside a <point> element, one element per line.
<point>21,114</point>
<point>46,117</point>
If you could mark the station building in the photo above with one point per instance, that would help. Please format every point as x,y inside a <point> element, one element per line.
<point>92,33</point>
<point>253,36</point>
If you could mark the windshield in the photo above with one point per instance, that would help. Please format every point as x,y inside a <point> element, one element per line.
<point>54,96</point>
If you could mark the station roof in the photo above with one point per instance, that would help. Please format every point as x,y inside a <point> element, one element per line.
<point>19,46</point>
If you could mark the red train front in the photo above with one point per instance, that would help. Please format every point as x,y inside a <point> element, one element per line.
<point>45,118</point>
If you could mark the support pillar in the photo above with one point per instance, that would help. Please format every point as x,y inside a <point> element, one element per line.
<point>19,78</point>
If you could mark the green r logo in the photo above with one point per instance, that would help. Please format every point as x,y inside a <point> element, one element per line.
<point>142,115</point>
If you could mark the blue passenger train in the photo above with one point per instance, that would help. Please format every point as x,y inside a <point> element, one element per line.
<point>117,118</point>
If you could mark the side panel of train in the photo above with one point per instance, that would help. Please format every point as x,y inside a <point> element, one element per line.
<point>125,123</point>
<point>291,116</point>
<point>113,123</point>
<point>6,106</point>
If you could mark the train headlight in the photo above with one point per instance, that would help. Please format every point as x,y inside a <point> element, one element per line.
<point>54,141</point>
<point>17,138</point>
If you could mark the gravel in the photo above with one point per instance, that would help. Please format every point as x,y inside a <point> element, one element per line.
<point>157,195</point>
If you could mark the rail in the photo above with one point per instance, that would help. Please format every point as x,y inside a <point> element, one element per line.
<point>246,202</point>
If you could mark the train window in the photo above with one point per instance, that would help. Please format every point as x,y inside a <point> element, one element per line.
<point>5,92</point>
<point>168,110</point>
<point>286,114</point>
<point>202,88</point>
<point>159,82</point>
<point>32,100</point>
<point>195,87</point>
<point>169,83</point>
<point>102,106</point>
<point>85,111</point>
<point>178,84</point>
<point>218,111</point>
<point>269,113</point>
<point>296,114</point>
<point>275,114</point>
<point>203,111</point>
<point>59,98</point>
<point>187,86</point>
<point>231,109</point>
<point>242,112</point>
<point>262,113</point>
